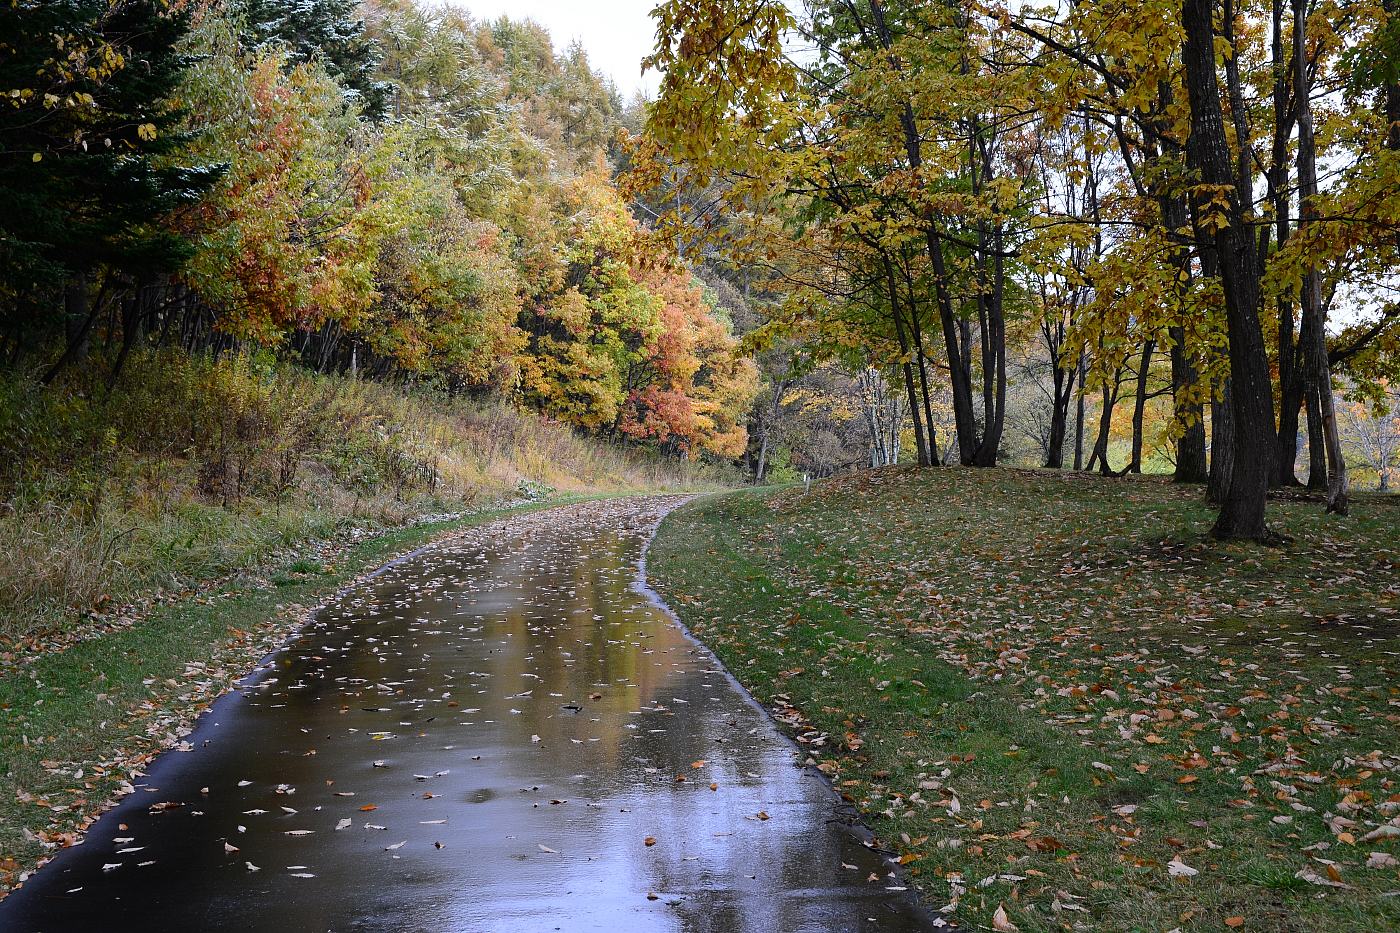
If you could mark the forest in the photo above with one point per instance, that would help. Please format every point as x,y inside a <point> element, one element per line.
<point>850,235</point>
<point>270,266</point>
<point>393,192</point>
<point>1121,237</point>
<point>913,465</point>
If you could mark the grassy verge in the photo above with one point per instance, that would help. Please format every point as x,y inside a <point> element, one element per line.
<point>1053,696</point>
<point>79,723</point>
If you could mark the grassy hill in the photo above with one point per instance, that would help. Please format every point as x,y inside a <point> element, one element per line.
<point>190,470</point>
<point>1053,695</point>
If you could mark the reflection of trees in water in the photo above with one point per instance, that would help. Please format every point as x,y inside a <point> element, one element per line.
<point>381,658</point>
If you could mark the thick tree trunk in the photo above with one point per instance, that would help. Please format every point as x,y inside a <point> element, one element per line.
<point>1251,391</point>
<point>1222,447</point>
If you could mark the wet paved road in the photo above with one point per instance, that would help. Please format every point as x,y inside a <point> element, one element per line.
<point>482,738</point>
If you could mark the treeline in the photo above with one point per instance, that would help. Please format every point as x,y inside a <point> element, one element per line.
<point>380,189</point>
<point>1196,200</point>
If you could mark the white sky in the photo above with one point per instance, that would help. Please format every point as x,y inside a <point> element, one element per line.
<point>615,33</point>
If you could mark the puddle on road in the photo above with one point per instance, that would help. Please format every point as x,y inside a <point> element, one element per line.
<point>482,738</point>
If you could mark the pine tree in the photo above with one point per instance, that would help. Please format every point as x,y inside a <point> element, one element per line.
<point>326,31</point>
<point>88,151</point>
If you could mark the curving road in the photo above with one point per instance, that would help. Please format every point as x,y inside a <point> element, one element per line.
<point>504,732</point>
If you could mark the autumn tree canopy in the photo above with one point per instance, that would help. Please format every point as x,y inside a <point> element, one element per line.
<point>1193,200</point>
<point>377,188</point>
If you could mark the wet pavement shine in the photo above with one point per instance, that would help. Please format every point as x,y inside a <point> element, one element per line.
<point>503,732</point>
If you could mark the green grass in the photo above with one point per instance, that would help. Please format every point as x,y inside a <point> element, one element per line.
<point>77,723</point>
<point>1100,687</point>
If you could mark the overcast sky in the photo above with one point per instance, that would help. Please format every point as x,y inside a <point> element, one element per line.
<point>615,33</point>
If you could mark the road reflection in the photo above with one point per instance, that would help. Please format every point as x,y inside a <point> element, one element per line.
<point>500,733</point>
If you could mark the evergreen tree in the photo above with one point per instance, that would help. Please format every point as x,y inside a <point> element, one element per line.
<point>87,146</point>
<point>327,31</point>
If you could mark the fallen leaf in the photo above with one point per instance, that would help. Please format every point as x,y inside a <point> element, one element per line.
<point>1308,874</point>
<point>1176,868</point>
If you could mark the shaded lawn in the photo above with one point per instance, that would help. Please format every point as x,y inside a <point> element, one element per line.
<point>1053,694</point>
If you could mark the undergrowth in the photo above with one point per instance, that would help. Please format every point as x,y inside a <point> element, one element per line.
<point>191,468</point>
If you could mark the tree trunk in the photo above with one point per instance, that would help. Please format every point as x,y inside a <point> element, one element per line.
<point>1059,416</point>
<point>1079,420</point>
<point>1392,87</point>
<point>1314,313</point>
<point>1290,383</point>
<point>893,287</point>
<point>1191,464</point>
<point>960,377</point>
<point>1100,451</point>
<point>79,311</point>
<point>1251,391</point>
<point>1140,405</point>
<point>765,443</point>
<point>917,327</point>
<point>133,310</point>
<point>994,357</point>
<point>1222,447</point>
<point>1317,450</point>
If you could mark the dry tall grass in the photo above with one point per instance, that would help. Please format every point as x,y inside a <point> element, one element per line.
<point>193,468</point>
